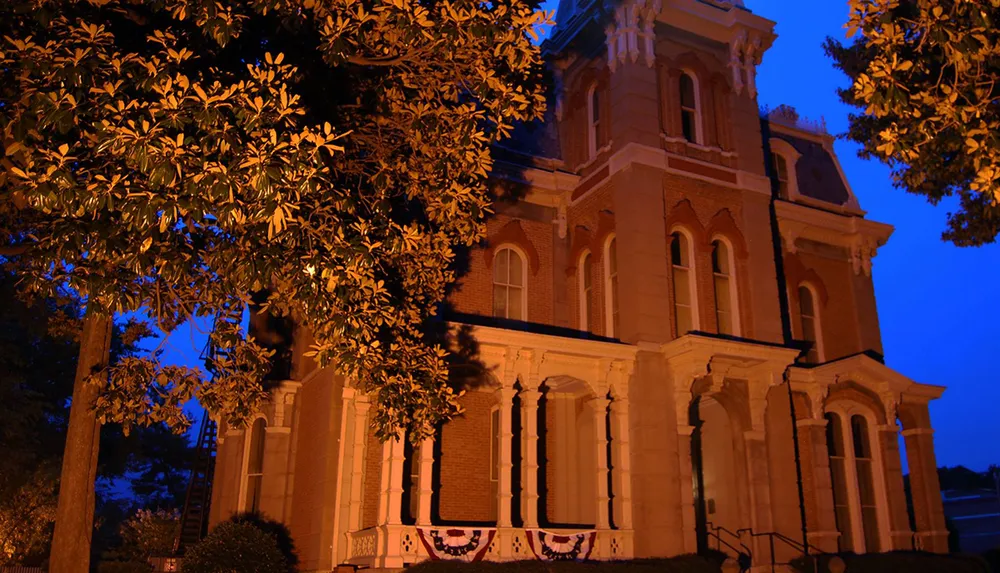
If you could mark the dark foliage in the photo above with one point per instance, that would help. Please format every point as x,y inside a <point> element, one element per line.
<point>901,562</point>
<point>237,545</point>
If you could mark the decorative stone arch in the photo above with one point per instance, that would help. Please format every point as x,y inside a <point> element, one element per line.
<point>796,273</point>
<point>682,214</point>
<point>605,228</point>
<point>513,234</point>
<point>723,223</point>
<point>854,392</point>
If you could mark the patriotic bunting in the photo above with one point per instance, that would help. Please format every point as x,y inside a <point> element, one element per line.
<point>456,544</point>
<point>553,547</point>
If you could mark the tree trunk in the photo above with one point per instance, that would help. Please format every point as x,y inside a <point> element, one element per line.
<point>75,512</point>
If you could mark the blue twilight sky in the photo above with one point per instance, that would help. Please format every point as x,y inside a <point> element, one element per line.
<point>939,314</point>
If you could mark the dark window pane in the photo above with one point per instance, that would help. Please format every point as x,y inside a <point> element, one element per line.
<point>687,92</point>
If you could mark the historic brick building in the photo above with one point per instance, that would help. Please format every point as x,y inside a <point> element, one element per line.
<point>680,325</point>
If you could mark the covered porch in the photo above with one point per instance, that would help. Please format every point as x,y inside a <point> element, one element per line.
<point>541,455</point>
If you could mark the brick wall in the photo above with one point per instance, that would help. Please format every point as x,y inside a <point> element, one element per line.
<point>474,294</point>
<point>372,481</point>
<point>465,494</point>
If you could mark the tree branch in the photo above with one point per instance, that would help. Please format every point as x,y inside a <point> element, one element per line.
<point>14,250</point>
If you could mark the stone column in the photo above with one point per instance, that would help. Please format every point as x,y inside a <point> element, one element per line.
<point>928,510</point>
<point>425,476</point>
<point>758,484</point>
<point>899,518</point>
<point>358,461</point>
<point>621,475</point>
<point>821,522</point>
<point>686,476</point>
<point>504,494</point>
<point>390,506</point>
<point>599,408</point>
<point>529,457</point>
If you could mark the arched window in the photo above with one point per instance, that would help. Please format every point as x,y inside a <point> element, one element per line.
<point>809,323</point>
<point>690,114</point>
<point>723,271</point>
<point>685,305</point>
<point>586,280</point>
<point>611,286</point>
<point>838,475</point>
<point>509,274</point>
<point>866,481</point>
<point>780,172</point>
<point>852,469</point>
<point>593,120</point>
<point>255,466</point>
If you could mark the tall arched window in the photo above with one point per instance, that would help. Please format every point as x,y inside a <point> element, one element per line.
<point>586,280</point>
<point>838,475</point>
<point>685,307</point>
<point>723,272</point>
<point>611,286</point>
<point>809,323</point>
<point>255,466</point>
<point>780,172</point>
<point>593,120</point>
<point>852,469</point>
<point>866,481</point>
<point>690,114</point>
<point>509,274</point>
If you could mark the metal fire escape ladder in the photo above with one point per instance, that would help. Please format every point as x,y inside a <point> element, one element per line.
<point>194,519</point>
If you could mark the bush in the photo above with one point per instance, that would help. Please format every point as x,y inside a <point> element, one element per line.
<point>124,567</point>
<point>682,564</point>
<point>902,562</point>
<point>236,546</point>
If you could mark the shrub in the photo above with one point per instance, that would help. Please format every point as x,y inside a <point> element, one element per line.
<point>681,564</point>
<point>902,562</point>
<point>236,546</point>
<point>124,567</point>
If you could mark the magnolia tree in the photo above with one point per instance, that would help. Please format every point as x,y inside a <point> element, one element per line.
<point>927,76</point>
<point>175,156</point>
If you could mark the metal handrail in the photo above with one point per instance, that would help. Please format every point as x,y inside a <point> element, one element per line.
<point>771,535</point>
<point>744,554</point>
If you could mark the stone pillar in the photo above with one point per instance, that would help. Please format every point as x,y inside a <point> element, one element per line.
<point>686,477</point>
<point>758,484</point>
<point>275,470</point>
<point>621,475</point>
<point>821,522</point>
<point>390,506</point>
<point>358,461</point>
<point>529,457</point>
<point>425,476</point>
<point>599,408</point>
<point>928,511</point>
<point>892,467</point>
<point>504,494</point>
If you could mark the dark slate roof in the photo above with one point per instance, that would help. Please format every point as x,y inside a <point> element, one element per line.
<point>816,172</point>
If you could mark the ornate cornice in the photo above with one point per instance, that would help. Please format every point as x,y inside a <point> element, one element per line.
<point>861,237</point>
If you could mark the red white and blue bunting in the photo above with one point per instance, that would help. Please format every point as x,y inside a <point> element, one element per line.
<point>549,546</point>
<point>466,545</point>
